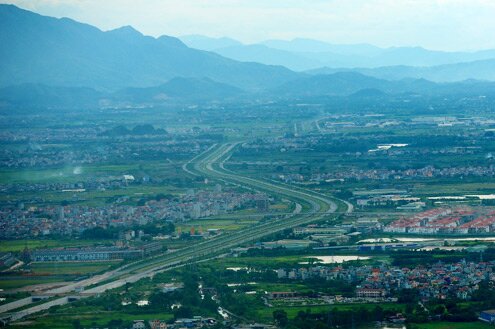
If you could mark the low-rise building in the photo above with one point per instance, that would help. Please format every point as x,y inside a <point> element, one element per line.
<point>487,316</point>
<point>138,324</point>
<point>370,293</point>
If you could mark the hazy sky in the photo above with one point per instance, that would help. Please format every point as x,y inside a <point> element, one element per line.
<point>434,24</point>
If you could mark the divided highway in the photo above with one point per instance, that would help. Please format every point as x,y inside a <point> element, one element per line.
<point>310,206</point>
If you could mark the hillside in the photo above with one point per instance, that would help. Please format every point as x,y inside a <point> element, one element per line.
<point>479,70</point>
<point>63,52</point>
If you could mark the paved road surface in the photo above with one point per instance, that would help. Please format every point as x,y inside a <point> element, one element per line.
<point>209,163</point>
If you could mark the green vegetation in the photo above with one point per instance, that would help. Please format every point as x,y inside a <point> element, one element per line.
<point>71,318</point>
<point>271,158</point>
<point>72,268</point>
<point>292,311</point>
<point>19,282</point>
<point>452,325</point>
<point>222,224</point>
<point>19,245</point>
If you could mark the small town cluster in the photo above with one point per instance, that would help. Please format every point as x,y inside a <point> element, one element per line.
<point>20,221</point>
<point>425,172</point>
<point>112,146</point>
<point>437,281</point>
<point>99,184</point>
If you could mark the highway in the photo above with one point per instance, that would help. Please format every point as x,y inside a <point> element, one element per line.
<point>310,207</point>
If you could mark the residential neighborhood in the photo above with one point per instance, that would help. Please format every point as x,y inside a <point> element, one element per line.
<point>439,281</point>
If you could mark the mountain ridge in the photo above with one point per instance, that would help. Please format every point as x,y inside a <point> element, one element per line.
<point>194,91</point>
<point>53,51</point>
<point>350,83</point>
<point>306,54</point>
<point>176,90</point>
<point>477,70</point>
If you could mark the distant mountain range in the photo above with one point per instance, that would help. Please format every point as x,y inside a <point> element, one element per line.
<point>59,63</point>
<point>209,44</point>
<point>356,84</point>
<point>306,54</point>
<point>479,70</point>
<point>191,89</point>
<point>38,96</point>
<point>63,52</point>
<point>352,85</point>
<point>177,90</point>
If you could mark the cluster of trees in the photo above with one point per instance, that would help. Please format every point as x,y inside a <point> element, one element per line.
<point>407,258</point>
<point>100,233</point>
<point>485,295</point>
<point>157,197</point>
<point>334,318</point>
<point>155,228</point>
<point>342,145</point>
<point>111,324</point>
<point>450,309</point>
<point>234,299</point>
<point>188,297</point>
<point>445,310</point>
<point>246,306</point>
<point>158,302</point>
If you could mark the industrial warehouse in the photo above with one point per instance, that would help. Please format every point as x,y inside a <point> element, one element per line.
<point>94,254</point>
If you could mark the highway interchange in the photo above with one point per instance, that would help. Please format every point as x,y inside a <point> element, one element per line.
<point>310,207</point>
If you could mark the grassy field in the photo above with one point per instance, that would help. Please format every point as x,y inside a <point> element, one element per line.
<point>93,198</point>
<point>90,319</point>
<point>452,325</point>
<point>67,174</point>
<point>259,261</point>
<point>70,174</point>
<point>271,287</point>
<point>455,188</point>
<point>266,314</point>
<point>19,245</point>
<point>14,283</point>
<point>176,244</point>
<point>222,224</point>
<point>71,268</point>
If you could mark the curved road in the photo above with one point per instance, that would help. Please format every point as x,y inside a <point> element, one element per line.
<point>311,207</point>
